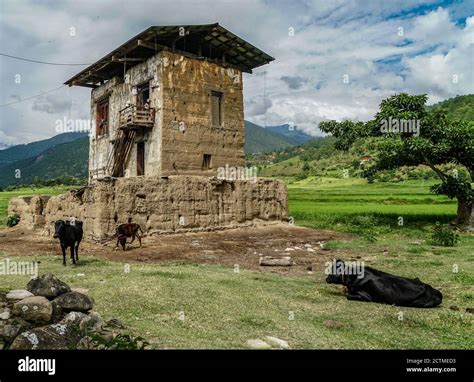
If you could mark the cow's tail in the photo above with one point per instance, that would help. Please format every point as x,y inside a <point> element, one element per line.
<point>140,228</point>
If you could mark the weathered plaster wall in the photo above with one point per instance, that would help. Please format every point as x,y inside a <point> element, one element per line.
<point>174,204</point>
<point>180,90</point>
<point>187,84</point>
<point>120,94</point>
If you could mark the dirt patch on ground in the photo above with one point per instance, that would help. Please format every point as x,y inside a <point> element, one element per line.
<point>242,246</point>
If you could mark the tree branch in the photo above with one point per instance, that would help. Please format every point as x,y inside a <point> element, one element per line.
<point>441,174</point>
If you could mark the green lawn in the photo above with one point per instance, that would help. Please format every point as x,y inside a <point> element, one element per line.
<point>223,309</point>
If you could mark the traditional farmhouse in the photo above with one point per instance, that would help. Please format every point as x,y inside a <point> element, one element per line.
<point>169,115</point>
<point>169,102</point>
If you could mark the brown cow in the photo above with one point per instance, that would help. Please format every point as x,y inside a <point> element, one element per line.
<point>128,230</point>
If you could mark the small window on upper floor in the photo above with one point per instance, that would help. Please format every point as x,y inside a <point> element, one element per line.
<point>206,161</point>
<point>102,122</point>
<point>216,108</point>
<point>143,96</point>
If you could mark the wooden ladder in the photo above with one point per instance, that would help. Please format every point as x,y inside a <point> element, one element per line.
<point>121,152</point>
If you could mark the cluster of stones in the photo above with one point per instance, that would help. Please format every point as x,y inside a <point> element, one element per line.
<point>51,315</point>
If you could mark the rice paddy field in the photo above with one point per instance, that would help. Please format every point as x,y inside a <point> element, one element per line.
<point>353,205</point>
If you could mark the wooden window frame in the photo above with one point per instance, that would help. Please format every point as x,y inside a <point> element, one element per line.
<point>103,110</point>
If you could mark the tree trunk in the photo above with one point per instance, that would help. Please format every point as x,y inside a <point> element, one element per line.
<point>465,215</point>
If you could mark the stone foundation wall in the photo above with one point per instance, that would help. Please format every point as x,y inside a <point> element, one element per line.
<point>161,205</point>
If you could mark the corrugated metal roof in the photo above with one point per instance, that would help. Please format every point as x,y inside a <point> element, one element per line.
<point>211,42</point>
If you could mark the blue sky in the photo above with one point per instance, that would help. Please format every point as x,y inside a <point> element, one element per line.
<point>343,58</point>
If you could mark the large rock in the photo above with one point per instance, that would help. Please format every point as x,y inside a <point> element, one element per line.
<point>5,315</point>
<point>74,319</point>
<point>91,323</point>
<point>275,261</point>
<point>274,341</point>
<point>258,344</point>
<point>18,294</point>
<point>62,335</point>
<point>46,337</point>
<point>17,326</point>
<point>58,312</point>
<point>48,286</point>
<point>34,309</point>
<point>74,301</point>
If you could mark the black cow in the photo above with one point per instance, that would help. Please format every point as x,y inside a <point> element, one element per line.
<point>381,287</point>
<point>128,230</point>
<point>69,235</point>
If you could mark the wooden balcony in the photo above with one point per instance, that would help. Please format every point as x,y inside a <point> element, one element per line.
<point>133,117</point>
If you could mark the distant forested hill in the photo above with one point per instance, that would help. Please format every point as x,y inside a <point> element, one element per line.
<point>461,107</point>
<point>67,154</point>
<point>319,157</point>
<point>19,152</point>
<point>295,135</point>
<point>259,139</point>
<point>277,148</point>
<point>64,159</point>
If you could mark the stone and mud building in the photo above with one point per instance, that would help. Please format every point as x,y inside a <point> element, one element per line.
<point>167,113</point>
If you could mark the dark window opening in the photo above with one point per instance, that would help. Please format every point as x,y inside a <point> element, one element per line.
<point>140,158</point>
<point>143,96</point>
<point>216,108</point>
<point>102,122</point>
<point>206,161</point>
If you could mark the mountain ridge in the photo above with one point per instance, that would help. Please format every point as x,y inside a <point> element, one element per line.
<point>67,155</point>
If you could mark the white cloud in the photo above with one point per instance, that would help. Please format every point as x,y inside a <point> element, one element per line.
<point>439,52</point>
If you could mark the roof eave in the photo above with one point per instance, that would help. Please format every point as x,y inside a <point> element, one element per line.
<point>244,59</point>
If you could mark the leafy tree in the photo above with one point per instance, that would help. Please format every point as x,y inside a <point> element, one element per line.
<point>440,140</point>
<point>306,167</point>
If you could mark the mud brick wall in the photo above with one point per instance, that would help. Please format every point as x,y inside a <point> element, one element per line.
<point>186,89</point>
<point>31,210</point>
<point>180,94</point>
<point>165,205</point>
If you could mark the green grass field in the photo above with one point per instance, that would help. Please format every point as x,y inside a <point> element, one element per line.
<point>223,309</point>
<point>353,205</point>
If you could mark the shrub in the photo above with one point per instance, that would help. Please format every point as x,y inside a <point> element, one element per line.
<point>365,226</point>
<point>301,176</point>
<point>120,342</point>
<point>13,220</point>
<point>444,235</point>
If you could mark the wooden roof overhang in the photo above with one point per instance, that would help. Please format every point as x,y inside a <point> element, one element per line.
<point>210,42</point>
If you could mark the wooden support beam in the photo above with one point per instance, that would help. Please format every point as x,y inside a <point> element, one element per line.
<point>76,83</point>
<point>151,45</point>
<point>125,59</point>
<point>97,75</point>
<point>131,59</point>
